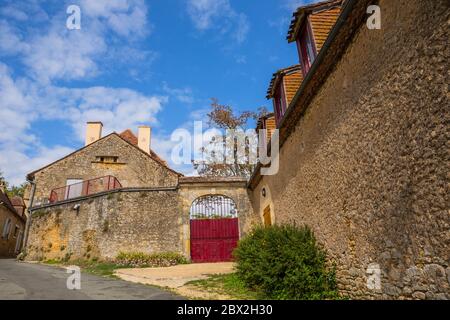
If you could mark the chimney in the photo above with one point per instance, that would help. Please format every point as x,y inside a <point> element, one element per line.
<point>144,136</point>
<point>93,132</point>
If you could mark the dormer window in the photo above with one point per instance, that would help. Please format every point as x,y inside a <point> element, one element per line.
<point>279,100</point>
<point>306,47</point>
<point>282,89</point>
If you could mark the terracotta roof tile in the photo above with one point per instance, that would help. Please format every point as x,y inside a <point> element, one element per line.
<point>129,136</point>
<point>292,82</point>
<point>293,76</point>
<point>322,22</point>
<point>4,200</point>
<point>313,9</point>
<point>264,118</point>
<point>125,136</point>
<point>340,37</point>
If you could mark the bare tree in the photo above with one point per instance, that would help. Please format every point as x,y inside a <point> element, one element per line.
<point>215,152</point>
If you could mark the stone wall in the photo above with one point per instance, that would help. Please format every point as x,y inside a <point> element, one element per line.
<point>128,220</point>
<point>134,168</point>
<point>147,221</point>
<point>367,165</point>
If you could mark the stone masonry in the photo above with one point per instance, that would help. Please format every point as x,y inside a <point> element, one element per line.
<point>133,168</point>
<point>148,220</point>
<point>367,165</point>
<point>106,224</point>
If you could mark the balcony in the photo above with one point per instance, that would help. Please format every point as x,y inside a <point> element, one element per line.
<point>84,188</point>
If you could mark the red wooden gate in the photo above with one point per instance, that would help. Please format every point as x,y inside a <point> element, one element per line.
<point>213,240</point>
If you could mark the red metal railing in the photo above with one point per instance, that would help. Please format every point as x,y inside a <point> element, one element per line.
<point>84,188</point>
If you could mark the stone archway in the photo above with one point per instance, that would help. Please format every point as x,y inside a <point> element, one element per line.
<point>191,188</point>
<point>214,228</point>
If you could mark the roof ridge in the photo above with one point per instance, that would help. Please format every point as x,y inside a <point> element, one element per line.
<point>31,174</point>
<point>284,71</point>
<point>154,157</point>
<point>4,198</point>
<point>299,14</point>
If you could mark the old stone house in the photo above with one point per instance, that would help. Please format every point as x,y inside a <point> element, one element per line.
<point>364,145</point>
<point>12,225</point>
<point>116,195</point>
<point>122,156</point>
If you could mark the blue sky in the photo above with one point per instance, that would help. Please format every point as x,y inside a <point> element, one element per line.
<point>133,62</point>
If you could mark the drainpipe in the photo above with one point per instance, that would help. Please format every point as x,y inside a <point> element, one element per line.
<point>30,205</point>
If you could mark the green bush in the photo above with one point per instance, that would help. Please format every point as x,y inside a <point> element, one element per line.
<point>285,262</point>
<point>139,259</point>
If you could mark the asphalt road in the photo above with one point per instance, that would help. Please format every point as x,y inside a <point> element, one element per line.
<point>19,280</point>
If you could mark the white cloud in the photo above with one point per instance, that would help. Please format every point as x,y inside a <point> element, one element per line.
<point>243,27</point>
<point>23,103</point>
<point>51,52</point>
<point>15,170</point>
<point>54,52</point>
<point>183,95</point>
<point>16,109</point>
<point>218,15</point>
<point>203,12</point>
<point>241,59</point>
<point>65,54</point>
<point>17,112</point>
<point>125,17</point>
<point>117,108</point>
<point>163,146</point>
<point>12,12</point>
<point>11,42</point>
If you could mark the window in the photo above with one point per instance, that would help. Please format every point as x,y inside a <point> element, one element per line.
<point>16,231</point>
<point>18,241</point>
<point>306,47</point>
<point>279,102</point>
<point>6,228</point>
<point>106,159</point>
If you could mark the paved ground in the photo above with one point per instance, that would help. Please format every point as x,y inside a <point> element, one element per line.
<point>176,276</point>
<point>33,281</point>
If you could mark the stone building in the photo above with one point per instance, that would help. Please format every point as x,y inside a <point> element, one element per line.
<point>122,156</point>
<point>364,146</point>
<point>12,225</point>
<point>116,195</point>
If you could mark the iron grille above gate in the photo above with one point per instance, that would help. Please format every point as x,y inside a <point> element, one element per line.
<point>213,207</point>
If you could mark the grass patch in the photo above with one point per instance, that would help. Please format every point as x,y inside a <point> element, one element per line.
<point>99,268</point>
<point>226,284</point>
<point>52,261</point>
<point>123,260</point>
